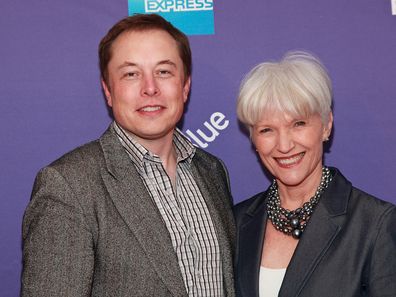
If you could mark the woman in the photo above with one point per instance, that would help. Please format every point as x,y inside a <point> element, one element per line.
<point>311,233</point>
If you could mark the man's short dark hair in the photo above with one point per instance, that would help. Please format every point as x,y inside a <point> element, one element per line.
<point>143,22</point>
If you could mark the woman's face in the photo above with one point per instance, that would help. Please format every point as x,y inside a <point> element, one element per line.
<point>291,148</point>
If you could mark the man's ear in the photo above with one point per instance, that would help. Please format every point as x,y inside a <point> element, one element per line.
<point>107,93</point>
<point>186,88</point>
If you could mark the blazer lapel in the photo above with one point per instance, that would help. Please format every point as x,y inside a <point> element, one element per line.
<point>251,237</point>
<point>215,196</point>
<point>311,248</point>
<point>135,206</point>
<point>323,228</point>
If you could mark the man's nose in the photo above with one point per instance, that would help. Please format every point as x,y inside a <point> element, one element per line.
<point>150,86</point>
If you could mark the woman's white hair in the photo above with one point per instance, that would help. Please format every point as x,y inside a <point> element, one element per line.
<point>298,85</point>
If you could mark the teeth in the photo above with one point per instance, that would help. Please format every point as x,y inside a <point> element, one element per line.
<point>151,108</point>
<point>290,161</point>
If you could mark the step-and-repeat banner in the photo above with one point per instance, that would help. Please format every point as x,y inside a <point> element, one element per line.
<point>51,99</point>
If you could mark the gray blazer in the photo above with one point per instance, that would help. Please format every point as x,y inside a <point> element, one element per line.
<point>348,248</point>
<point>91,228</point>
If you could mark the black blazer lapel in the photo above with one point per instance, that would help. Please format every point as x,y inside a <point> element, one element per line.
<point>324,226</point>
<point>135,205</point>
<point>250,239</point>
<point>311,248</point>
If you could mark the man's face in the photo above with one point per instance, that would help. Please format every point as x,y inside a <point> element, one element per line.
<point>146,85</point>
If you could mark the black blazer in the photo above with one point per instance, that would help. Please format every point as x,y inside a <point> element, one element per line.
<point>348,247</point>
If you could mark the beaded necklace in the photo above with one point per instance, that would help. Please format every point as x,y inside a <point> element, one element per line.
<point>293,222</point>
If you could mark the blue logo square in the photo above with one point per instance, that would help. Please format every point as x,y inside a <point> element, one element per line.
<point>193,17</point>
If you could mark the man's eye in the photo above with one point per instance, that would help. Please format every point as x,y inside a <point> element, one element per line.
<point>164,73</point>
<point>130,75</point>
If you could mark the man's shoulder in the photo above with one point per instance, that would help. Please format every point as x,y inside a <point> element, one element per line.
<point>81,156</point>
<point>205,157</point>
<point>209,163</point>
<point>90,154</point>
<point>79,169</point>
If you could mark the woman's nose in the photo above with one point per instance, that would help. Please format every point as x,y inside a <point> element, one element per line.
<point>285,142</point>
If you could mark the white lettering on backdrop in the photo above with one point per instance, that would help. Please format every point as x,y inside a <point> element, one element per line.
<point>217,123</point>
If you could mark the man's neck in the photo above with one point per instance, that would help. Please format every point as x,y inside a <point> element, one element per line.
<point>165,150</point>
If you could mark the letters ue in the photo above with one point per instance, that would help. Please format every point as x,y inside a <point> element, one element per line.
<point>217,123</point>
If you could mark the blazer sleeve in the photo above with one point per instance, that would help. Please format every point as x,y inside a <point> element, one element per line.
<point>382,280</point>
<point>58,252</point>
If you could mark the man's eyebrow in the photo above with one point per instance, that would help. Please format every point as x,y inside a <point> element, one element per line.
<point>126,64</point>
<point>167,62</point>
<point>132,64</point>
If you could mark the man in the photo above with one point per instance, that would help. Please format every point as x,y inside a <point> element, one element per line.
<point>140,211</point>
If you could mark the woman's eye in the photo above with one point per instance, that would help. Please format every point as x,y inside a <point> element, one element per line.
<point>299,123</point>
<point>265,130</point>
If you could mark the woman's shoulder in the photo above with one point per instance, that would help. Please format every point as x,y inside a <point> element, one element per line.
<point>343,187</point>
<point>363,201</point>
<point>249,201</point>
<point>250,205</point>
<point>362,204</point>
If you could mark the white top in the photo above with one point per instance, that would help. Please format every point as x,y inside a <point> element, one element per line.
<point>270,281</point>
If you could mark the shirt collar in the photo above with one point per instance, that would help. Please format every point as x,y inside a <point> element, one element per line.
<point>185,150</point>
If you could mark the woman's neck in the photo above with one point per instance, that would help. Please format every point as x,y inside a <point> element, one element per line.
<point>295,196</point>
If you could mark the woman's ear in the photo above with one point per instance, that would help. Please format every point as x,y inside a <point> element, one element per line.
<point>327,127</point>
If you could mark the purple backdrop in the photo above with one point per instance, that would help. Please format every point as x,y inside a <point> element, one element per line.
<point>52,101</point>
